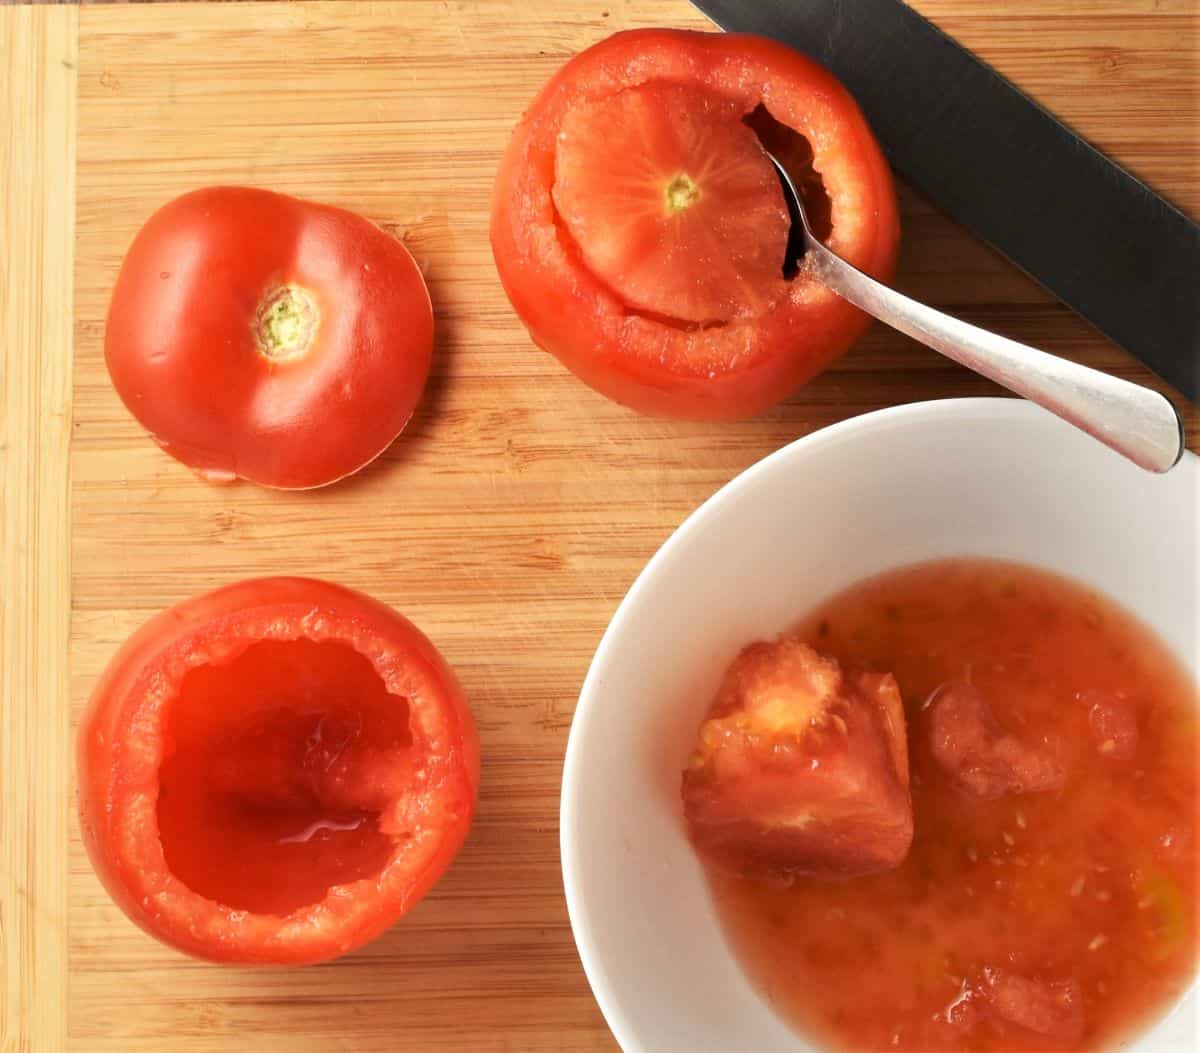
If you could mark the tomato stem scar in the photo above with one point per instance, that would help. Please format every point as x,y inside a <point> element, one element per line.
<point>682,193</point>
<point>285,323</point>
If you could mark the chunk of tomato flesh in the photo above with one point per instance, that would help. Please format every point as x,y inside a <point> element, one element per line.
<point>982,758</point>
<point>1050,1010</point>
<point>800,769</point>
<point>1113,723</point>
<point>672,202</point>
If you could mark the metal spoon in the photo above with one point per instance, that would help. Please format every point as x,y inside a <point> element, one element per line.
<point>1133,420</point>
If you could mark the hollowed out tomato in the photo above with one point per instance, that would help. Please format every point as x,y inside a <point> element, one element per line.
<point>275,772</point>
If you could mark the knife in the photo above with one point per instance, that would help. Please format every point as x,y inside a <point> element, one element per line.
<point>995,161</point>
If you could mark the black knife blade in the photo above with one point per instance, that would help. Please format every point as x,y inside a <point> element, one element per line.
<point>995,161</point>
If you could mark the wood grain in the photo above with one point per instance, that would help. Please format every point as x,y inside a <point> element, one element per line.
<point>37,155</point>
<point>509,519</point>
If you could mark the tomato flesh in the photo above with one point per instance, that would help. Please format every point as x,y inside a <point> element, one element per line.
<point>1113,723</point>
<point>673,202</point>
<point>801,769</point>
<point>280,765</point>
<point>1053,1011</point>
<point>985,759</point>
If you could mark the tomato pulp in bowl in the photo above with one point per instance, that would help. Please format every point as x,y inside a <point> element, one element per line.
<point>1047,900</point>
<point>977,478</point>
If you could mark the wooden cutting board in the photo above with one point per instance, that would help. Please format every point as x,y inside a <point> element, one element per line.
<point>508,520</point>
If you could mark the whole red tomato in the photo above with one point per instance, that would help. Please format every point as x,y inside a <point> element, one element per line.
<point>640,230</point>
<point>263,337</point>
<point>275,772</point>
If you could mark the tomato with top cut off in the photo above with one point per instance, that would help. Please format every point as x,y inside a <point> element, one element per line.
<point>640,229</point>
<point>275,772</point>
<point>258,336</point>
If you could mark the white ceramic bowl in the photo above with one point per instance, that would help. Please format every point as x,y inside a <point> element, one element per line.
<point>985,477</point>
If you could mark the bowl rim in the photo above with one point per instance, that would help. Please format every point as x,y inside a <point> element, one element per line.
<point>971,409</point>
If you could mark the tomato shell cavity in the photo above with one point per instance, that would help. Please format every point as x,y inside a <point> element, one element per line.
<point>275,772</point>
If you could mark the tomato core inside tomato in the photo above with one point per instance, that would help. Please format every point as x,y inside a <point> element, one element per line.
<point>671,202</point>
<point>285,323</point>
<point>279,767</point>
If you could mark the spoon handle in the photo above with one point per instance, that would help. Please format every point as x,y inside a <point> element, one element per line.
<point>1135,421</point>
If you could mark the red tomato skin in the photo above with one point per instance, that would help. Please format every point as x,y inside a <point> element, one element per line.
<point>633,360</point>
<point>181,353</point>
<point>119,750</point>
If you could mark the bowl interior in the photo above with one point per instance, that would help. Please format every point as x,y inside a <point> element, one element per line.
<point>981,477</point>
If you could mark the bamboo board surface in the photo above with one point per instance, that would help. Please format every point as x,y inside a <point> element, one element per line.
<point>508,520</point>
<point>37,153</point>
